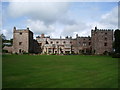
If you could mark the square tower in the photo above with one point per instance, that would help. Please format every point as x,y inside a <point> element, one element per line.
<point>102,40</point>
<point>22,40</point>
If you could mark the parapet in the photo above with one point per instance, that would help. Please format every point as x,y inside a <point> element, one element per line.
<point>21,30</point>
<point>102,30</point>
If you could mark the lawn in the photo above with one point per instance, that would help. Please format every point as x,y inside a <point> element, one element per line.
<point>50,71</point>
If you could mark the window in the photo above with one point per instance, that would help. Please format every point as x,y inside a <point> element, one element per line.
<point>84,43</point>
<point>20,50</point>
<point>105,33</point>
<point>89,43</point>
<point>105,44</point>
<point>84,39</point>
<point>20,33</point>
<point>40,44</point>
<point>20,43</point>
<point>105,38</point>
<point>51,42</point>
<point>70,42</point>
<point>57,42</point>
<point>64,42</point>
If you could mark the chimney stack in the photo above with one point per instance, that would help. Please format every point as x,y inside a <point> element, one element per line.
<point>42,36</point>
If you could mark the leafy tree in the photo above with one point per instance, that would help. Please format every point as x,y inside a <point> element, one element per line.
<point>117,41</point>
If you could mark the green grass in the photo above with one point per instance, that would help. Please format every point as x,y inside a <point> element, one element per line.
<point>47,71</point>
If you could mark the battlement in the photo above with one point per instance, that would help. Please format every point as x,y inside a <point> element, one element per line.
<point>21,30</point>
<point>103,30</point>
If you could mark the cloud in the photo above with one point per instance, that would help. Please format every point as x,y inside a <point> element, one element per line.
<point>44,11</point>
<point>61,0</point>
<point>110,19</point>
<point>40,27</point>
<point>79,28</point>
<point>42,18</point>
<point>7,33</point>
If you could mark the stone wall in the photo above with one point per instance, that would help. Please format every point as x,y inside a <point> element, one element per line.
<point>101,41</point>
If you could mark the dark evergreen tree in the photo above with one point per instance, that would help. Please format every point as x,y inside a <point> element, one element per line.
<point>2,39</point>
<point>117,41</point>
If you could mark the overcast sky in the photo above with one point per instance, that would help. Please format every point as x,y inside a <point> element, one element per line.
<point>57,19</point>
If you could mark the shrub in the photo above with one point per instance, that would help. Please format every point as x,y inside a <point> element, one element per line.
<point>5,51</point>
<point>115,55</point>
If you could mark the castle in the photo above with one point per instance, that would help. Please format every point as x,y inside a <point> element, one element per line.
<point>100,42</point>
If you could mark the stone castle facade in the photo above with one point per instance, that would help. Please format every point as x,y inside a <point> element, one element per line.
<point>100,42</point>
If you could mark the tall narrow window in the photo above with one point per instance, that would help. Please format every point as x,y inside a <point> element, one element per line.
<point>89,43</point>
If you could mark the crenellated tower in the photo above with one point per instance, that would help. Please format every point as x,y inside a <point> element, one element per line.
<point>22,40</point>
<point>102,40</point>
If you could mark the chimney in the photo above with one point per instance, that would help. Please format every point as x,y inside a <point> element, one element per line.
<point>27,28</point>
<point>42,36</point>
<point>14,29</point>
<point>76,35</point>
<point>96,28</point>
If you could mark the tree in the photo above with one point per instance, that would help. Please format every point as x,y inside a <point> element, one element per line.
<point>2,39</point>
<point>11,41</point>
<point>117,41</point>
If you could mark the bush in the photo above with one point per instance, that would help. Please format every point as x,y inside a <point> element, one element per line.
<point>5,51</point>
<point>25,53</point>
<point>16,53</point>
<point>115,55</point>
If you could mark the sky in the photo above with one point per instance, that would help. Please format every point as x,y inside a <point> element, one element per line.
<point>57,19</point>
